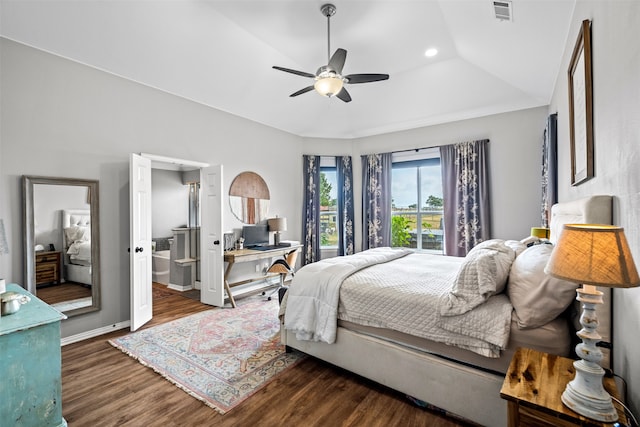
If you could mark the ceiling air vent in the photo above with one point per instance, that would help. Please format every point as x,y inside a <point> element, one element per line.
<point>502,10</point>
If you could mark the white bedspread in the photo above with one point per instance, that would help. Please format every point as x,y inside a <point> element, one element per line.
<point>80,250</point>
<point>402,295</point>
<point>312,301</point>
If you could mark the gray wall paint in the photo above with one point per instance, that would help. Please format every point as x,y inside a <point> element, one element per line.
<point>616,92</point>
<point>514,156</point>
<point>169,202</point>
<point>60,118</point>
<point>514,162</point>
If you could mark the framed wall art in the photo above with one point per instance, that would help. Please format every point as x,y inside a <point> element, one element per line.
<point>581,107</point>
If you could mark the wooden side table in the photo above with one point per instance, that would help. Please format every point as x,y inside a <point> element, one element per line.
<point>533,386</point>
<point>48,267</point>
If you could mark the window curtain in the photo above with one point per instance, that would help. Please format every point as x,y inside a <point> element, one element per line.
<point>344,173</point>
<point>376,200</point>
<point>549,169</point>
<point>311,210</point>
<point>465,182</point>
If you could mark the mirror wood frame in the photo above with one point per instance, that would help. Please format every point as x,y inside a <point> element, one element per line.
<point>28,183</point>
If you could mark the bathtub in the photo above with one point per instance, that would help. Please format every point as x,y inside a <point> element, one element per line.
<point>161,260</point>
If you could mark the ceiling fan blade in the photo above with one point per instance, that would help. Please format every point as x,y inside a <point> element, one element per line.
<point>299,73</point>
<point>344,95</point>
<point>337,60</point>
<point>365,78</point>
<point>301,91</point>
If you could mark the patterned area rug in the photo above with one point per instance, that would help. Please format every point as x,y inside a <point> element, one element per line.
<point>220,356</point>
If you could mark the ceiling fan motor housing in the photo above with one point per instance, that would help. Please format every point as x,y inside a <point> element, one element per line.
<point>328,10</point>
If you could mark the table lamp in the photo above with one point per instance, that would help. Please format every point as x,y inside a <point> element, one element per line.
<point>593,255</point>
<point>540,232</point>
<point>277,225</point>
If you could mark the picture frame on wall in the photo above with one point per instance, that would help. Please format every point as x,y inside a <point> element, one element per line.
<point>581,107</point>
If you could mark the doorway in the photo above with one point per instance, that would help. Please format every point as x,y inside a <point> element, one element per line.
<point>211,263</point>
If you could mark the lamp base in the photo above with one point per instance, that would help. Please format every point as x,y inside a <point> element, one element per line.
<point>276,238</point>
<point>586,395</point>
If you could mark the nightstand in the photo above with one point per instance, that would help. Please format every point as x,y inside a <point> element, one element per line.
<point>48,267</point>
<point>533,386</point>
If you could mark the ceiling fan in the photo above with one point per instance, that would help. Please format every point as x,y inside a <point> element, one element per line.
<point>329,80</point>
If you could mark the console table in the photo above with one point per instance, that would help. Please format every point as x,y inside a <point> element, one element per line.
<point>248,255</point>
<point>31,367</point>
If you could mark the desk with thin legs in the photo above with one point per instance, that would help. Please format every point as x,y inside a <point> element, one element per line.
<point>247,255</point>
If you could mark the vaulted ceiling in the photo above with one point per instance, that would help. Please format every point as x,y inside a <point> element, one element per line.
<point>221,53</point>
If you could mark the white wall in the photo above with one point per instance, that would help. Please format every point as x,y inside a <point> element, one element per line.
<point>616,92</point>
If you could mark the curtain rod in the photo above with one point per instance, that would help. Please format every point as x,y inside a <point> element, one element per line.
<point>434,146</point>
<point>415,149</point>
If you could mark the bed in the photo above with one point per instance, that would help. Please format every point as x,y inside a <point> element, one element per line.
<point>76,241</point>
<point>463,380</point>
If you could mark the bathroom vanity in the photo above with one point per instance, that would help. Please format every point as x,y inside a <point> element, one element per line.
<point>31,385</point>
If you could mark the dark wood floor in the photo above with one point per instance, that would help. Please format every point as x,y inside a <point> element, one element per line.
<point>101,386</point>
<point>68,291</point>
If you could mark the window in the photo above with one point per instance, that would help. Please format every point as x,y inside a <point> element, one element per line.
<point>417,201</point>
<point>328,203</point>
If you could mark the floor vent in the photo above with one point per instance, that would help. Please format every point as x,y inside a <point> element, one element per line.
<point>503,10</point>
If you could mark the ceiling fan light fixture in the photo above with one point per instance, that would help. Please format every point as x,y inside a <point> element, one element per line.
<point>328,85</point>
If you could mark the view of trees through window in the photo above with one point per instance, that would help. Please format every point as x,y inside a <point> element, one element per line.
<point>417,206</point>
<point>328,207</point>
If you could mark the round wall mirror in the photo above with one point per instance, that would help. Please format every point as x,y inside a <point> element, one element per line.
<point>249,198</point>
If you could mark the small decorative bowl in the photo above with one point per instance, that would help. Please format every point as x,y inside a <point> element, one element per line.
<point>11,302</point>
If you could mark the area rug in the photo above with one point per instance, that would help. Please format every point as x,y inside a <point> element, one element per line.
<point>220,356</point>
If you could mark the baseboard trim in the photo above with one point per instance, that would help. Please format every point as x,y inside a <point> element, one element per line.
<point>94,333</point>
<point>180,288</point>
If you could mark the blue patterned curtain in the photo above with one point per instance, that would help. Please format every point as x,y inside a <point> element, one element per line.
<point>344,172</point>
<point>376,200</point>
<point>549,169</point>
<point>465,182</point>
<point>311,210</point>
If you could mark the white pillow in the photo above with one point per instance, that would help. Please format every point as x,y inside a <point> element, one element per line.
<point>501,255</point>
<point>483,274</point>
<point>537,297</point>
<point>77,234</point>
<point>517,246</point>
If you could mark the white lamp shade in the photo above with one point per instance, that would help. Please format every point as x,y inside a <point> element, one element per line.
<point>328,86</point>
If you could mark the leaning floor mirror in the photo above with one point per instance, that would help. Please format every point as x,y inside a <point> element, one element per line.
<point>62,242</point>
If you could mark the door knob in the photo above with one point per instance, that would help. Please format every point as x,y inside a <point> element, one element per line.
<point>216,242</point>
<point>139,249</point>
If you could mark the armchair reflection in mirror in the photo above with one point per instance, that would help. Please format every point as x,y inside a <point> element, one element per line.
<point>61,242</point>
<point>249,198</point>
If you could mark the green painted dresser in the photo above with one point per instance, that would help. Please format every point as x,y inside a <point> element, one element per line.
<point>30,365</point>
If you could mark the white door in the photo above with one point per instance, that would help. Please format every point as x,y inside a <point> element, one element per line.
<point>211,259</point>
<point>140,240</point>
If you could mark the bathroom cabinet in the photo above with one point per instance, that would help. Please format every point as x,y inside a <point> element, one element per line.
<point>30,370</point>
